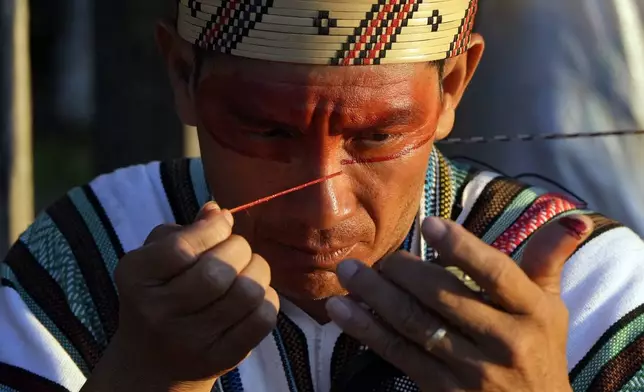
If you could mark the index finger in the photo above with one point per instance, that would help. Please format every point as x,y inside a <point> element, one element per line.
<point>167,257</point>
<point>497,274</point>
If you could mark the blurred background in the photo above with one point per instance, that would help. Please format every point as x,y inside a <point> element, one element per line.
<point>83,91</point>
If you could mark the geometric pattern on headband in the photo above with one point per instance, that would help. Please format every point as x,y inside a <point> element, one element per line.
<point>332,32</point>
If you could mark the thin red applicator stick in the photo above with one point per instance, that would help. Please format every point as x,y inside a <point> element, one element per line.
<point>291,190</point>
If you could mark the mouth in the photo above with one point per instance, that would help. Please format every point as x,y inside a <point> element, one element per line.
<point>309,258</point>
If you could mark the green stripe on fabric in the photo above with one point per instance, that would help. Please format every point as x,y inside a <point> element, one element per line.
<point>96,229</point>
<point>512,212</point>
<point>199,184</point>
<point>615,344</point>
<point>636,384</point>
<point>50,248</point>
<point>90,260</point>
<point>46,322</point>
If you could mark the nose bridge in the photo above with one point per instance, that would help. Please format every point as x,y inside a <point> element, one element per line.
<point>325,205</point>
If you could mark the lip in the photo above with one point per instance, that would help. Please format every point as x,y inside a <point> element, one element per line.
<point>294,257</point>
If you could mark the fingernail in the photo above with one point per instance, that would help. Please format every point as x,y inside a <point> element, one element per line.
<point>347,269</point>
<point>229,217</point>
<point>574,226</point>
<point>208,207</point>
<point>434,228</point>
<point>338,309</point>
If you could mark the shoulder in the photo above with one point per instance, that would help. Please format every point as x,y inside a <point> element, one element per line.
<point>57,278</point>
<point>603,287</point>
<point>602,283</point>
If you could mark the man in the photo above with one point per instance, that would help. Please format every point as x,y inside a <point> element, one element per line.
<point>289,101</point>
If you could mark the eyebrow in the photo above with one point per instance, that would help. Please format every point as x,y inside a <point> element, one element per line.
<point>387,118</point>
<point>395,115</point>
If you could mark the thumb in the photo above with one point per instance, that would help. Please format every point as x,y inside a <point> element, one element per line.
<point>207,209</point>
<point>550,248</point>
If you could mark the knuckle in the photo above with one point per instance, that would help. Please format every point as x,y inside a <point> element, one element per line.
<point>220,228</point>
<point>447,300</point>
<point>251,292</point>
<point>219,275</point>
<point>159,232</point>
<point>267,316</point>
<point>454,238</point>
<point>519,350</point>
<point>240,245</point>
<point>411,318</point>
<point>361,280</point>
<point>179,246</point>
<point>393,348</point>
<point>260,263</point>
<point>498,272</point>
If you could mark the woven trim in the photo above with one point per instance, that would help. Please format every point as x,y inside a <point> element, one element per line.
<point>106,224</point>
<point>446,197</point>
<point>346,349</point>
<point>491,204</point>
<point>616,373</point>
<point>199,183</point>
<point>49,299</point>
<point>232,382</point>
<point>542,211</point>
<point>294,352</point>
<point>179,190</point>
<point>619,336</point>
<point>462,174</point>
<point>91,264</point>
<point>22,380</point>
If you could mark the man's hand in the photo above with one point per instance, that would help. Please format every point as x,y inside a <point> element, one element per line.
<point>194,301</point>
<point>449,338</point>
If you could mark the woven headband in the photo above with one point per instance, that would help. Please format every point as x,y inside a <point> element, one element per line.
<point>330,32</point>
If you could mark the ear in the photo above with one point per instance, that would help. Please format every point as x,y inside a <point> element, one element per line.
<point>179,59</point>
<point>457,75</point>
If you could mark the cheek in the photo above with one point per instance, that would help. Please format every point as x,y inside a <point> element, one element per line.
<point>390,193</point>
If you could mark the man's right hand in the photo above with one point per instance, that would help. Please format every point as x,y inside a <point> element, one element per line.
<point>194,301</point>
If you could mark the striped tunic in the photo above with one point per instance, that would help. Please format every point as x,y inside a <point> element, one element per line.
<point>59,305</point>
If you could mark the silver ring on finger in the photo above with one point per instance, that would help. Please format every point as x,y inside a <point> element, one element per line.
<point>434,338</point>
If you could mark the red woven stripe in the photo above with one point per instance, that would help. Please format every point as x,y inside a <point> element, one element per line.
<point>541,212</point>
<point>362,39</point>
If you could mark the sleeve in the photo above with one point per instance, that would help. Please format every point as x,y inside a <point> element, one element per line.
<point>58,302</point>
<point>603,288</point>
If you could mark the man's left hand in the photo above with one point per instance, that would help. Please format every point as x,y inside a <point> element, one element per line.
<point>446,337</point>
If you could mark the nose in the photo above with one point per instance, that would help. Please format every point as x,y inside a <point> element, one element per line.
<point>323,206</point>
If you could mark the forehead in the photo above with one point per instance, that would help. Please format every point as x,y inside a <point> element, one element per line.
<point>260,71</point>
<point>270,86</point>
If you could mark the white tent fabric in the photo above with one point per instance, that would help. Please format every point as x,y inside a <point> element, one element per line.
<point>563,66</point>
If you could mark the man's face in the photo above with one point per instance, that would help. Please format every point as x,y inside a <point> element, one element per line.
<point>266,127</point>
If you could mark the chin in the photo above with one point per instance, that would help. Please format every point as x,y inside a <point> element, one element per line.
<point>307,286</point>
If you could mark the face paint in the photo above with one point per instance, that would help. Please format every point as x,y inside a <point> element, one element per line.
<point>264,139</point>
<point>405,151</point>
